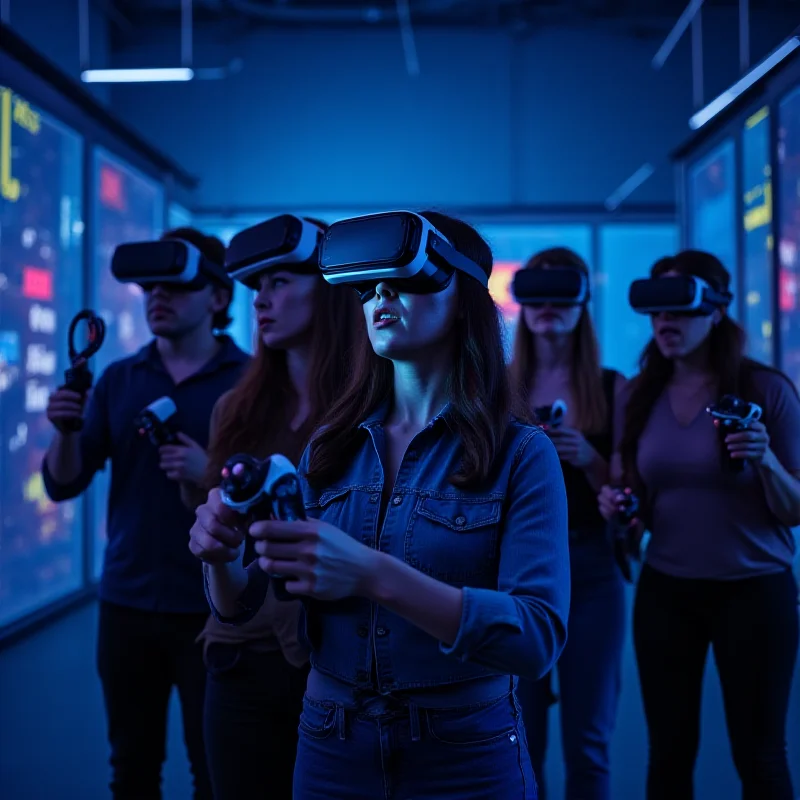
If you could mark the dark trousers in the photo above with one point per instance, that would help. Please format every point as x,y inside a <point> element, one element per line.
<point>141,655</point>
<point>752,627</point>
<point>589,677</point>
<point>253,704</point>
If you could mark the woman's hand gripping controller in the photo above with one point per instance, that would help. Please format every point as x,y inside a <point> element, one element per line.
<point>261,490</point>
<point>619,505</point>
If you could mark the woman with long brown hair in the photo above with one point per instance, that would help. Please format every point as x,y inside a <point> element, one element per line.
<point>434,563</point>
<point>719,505</point>
<point>257,671</point>
<point>556,357</point>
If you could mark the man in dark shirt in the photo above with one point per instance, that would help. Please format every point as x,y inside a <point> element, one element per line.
<point>152,603</point>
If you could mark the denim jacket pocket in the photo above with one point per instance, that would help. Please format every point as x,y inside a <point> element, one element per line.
<point>454,539</point>
<point>317,718</point>
<point>330,506</point>
<point>482,723</point>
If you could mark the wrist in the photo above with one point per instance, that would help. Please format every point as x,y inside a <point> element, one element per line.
<point>374,584</point>
<point>769,463</point>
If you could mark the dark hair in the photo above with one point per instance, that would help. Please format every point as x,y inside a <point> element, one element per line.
<point>726,343</point>
<point>586,378</point>
<point>478,386</point>
<point>263,402</point>
<point>213,249</point>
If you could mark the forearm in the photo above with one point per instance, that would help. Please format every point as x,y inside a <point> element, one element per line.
<point>596,471</point>
<point>431,605</point>
<point>64,458</point>
<point>225,585</point>
<point>782,490</point>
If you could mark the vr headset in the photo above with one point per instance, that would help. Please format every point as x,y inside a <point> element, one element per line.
<point>172,262</point>
<point>678,294</point>
<point>398,246</point>
<point>560,286</point>
<point>286,241</point>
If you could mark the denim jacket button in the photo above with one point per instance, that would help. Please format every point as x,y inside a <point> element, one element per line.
<point>373,498</point>
<point>363,632</point>
<point>461,521</point>
<point>382,631</point>
<point>396,500</point>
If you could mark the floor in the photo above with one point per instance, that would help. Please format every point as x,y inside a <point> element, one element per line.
<point>52,737</point>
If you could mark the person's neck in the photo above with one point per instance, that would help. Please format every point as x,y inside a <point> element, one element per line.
<point>693,368</point>
<point>298,365</point>
<point>553,353</point>
<point>420,393</point>
<point>196,347</point>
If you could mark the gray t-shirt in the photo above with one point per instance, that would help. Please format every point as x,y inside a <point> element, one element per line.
<point>706,521</point>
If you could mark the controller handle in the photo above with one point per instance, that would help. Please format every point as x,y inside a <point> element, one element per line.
<point>621,535</point>
<point>78,378</point>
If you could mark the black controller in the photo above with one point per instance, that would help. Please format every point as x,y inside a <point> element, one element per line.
<point>78,378</point>
<point>553,415</point>
<point>622,536</point>
<point>155,422</point>
<point>261,490</point>
<point>733,415</point>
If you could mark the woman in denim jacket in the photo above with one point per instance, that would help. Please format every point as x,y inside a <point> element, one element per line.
<point>434,565</point>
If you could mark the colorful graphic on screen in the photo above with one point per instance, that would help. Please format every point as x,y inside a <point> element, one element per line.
<point>129,207</point>
<point>757,225</point>
<point>41,231</point>
<point>788,185</point>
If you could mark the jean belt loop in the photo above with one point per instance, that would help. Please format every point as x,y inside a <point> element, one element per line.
<point>340,722</point>
<point>413,714</point>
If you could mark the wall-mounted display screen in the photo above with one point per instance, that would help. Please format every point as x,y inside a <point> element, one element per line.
<point>128,207</point>
<point>758,244</point>
<point>711,209</point>
<point>41,288</point>
<point>788,187</point>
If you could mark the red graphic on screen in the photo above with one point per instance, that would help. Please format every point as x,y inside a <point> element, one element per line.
<point>787,290</point>
<point>37,284</point>
<point>112,192</point>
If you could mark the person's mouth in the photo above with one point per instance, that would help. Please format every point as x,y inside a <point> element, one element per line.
<point>383,317</point>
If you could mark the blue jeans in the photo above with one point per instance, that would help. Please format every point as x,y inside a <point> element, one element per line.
<point>388,749</point>
<point>589,676</point>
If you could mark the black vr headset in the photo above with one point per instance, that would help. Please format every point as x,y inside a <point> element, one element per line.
<point>559,286</point>
<point>285,242</point>
<point>400,247</point>
<point>173,262</point>
<point>678,294</point>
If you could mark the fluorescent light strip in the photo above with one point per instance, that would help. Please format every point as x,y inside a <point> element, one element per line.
<point>628,187</point>
<point>720,103</point>
<point>156,75</point>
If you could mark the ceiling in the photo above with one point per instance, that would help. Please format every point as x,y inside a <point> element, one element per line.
<point>633,16</point>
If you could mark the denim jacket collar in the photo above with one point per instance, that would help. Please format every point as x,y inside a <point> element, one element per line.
<point>378,416</point>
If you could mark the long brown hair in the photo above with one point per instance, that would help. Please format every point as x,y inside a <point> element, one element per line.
<point>726,346</point>
<point>586,376</point>
<point>263,402</point>
<point>481,401</point>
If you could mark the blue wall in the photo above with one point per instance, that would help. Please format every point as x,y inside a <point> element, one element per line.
<point>51,27</point>
<point>330,118</point>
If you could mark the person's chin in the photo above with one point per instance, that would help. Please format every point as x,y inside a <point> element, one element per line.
<point>163,328</point>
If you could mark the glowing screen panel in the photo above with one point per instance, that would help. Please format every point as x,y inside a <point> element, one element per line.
<point>41,287</point>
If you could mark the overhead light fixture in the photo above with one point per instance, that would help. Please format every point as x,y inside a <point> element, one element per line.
<point>153,75</point>
<point>628,187</point>
<point>718,104</point>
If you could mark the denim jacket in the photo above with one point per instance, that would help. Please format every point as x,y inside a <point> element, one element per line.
<point>505,545</point>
